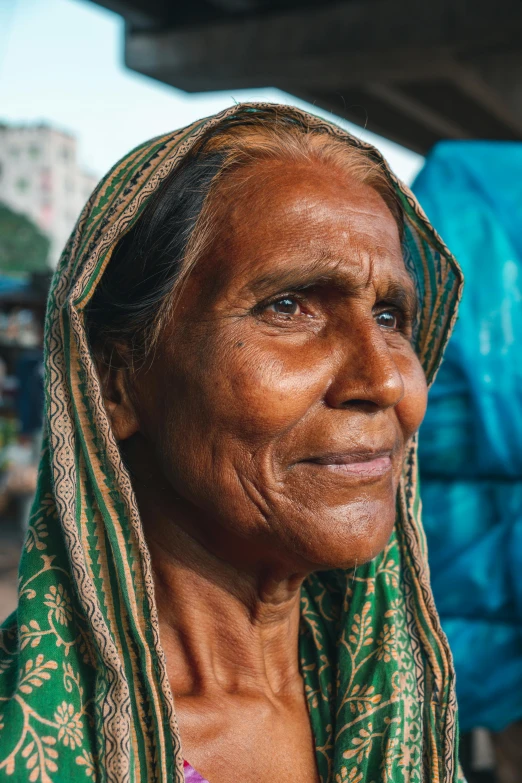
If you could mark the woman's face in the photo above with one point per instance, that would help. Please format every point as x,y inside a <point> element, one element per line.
<point>283,393</point>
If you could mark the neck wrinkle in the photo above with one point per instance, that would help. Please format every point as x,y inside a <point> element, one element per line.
<point>223,629</point>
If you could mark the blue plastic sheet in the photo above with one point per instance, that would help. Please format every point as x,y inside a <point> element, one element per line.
<point>471,440</point>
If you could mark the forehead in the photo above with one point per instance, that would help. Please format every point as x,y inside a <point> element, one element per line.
<point>279,213</point>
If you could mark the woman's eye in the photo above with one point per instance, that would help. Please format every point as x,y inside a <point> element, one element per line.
<point>388,318</point>
<point>285,306</point>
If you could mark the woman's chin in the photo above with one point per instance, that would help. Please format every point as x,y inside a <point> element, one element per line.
<point>346,540</point>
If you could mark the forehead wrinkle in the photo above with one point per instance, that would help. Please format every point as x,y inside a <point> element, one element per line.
<point>362,272</point>
<point>326,267</point>
<point>296,275</point>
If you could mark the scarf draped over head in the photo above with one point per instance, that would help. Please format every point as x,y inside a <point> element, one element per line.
<point>84,693</point>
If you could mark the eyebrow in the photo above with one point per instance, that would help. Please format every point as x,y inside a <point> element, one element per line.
<point>300,276</point>
<point>405,297</point>
<point>401,293</point>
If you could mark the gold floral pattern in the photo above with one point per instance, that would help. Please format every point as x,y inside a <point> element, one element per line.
<point>36,532</point>
<point>386,644</point>
<point>70,732</point>
<point>376,703</point>
<point>348,777</point>
<point>87,760</point>
<point>58,599</point>
<point>35,746</point>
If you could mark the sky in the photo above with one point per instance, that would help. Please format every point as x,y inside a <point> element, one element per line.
<point>61,62</point>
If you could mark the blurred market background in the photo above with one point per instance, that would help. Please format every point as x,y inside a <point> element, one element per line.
<point>82,82</point>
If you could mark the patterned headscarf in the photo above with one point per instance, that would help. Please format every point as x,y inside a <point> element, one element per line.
<point>84,692</point>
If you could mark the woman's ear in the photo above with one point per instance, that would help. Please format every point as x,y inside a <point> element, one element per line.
<point>119,404</point>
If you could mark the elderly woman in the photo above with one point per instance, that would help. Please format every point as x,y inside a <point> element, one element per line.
<point>225,566</point>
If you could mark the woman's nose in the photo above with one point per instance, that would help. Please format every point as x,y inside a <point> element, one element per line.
<point>366,375</point>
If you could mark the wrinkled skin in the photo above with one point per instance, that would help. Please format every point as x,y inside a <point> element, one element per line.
<point>266,441</point>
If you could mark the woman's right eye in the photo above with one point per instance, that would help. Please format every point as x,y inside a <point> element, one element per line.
<point>287,305</point>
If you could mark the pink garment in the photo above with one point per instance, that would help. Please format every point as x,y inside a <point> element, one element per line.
<point>191,776</point>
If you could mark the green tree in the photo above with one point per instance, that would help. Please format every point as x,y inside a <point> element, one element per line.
<point>23,247</point>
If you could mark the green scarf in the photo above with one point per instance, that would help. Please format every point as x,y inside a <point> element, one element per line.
<point>84,693</point>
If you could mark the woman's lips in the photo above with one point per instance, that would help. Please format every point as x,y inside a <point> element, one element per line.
<point>357,465</point>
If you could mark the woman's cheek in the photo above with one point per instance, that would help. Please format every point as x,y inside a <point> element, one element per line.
<point>276,388</point>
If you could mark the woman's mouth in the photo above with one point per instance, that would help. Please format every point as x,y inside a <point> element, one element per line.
<point>372,465</point>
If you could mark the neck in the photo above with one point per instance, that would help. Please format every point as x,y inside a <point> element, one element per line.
<point>222,628</point>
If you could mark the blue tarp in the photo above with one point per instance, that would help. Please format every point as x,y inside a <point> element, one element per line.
<point>10,285</point>
<point>471,440</point>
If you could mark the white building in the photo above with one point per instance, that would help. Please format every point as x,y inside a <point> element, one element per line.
<point>40,177</point>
